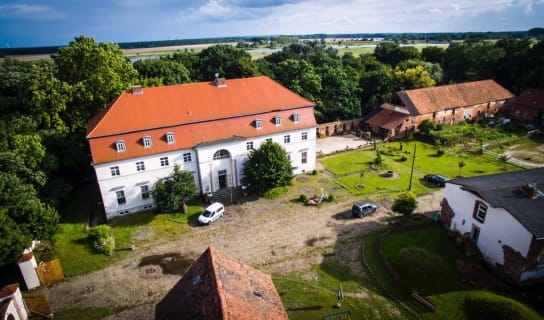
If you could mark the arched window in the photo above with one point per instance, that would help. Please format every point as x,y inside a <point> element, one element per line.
<point>221,154</point>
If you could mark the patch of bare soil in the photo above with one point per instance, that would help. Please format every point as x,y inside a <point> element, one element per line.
<point>275,236</point>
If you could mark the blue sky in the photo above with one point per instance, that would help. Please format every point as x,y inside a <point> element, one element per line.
<point>56,22</point>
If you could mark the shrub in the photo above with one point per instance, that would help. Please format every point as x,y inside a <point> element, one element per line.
<point>101,239</point>
<point>303,198</point>
<point>332,197</point>
<point>440,152</point>
<point>405,203</point>
<point>314,172</point>
<point>403,158</point>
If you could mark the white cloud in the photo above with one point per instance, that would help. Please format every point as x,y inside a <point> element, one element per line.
<point>26,9</point>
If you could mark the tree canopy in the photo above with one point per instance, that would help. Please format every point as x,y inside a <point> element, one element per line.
<point>172,193</point>
<point>267,167</point>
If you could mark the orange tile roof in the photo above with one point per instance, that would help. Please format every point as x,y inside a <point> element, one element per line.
<point>387,119</point>
<point>193,102</point>
<point>195,113</point>
<point>9,290</point>
<point>429,100</point>
<point>217,286</point>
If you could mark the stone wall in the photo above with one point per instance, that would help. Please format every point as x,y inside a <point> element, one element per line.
<point>337,128</point>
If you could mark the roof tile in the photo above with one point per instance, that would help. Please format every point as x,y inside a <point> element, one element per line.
<point>429,100</point>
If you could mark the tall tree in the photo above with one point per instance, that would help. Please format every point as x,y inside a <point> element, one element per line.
<point>97,73</point>
<point>227,61</point>
<point>267,167</point>
<point>413,78</point>
<point>169,71</point>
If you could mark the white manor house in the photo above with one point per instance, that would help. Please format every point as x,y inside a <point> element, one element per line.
<point>207,128</point>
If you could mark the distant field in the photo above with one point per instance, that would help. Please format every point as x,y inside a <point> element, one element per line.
<point>355,47</point>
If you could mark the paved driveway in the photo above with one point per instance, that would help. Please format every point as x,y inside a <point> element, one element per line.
<point>333,144</point>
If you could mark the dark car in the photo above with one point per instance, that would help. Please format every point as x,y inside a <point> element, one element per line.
<point>436,179</point>
<point>361,209</point>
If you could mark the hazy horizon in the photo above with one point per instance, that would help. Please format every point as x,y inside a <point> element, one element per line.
<point>37,23</point>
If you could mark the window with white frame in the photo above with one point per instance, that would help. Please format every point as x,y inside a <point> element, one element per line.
<point>249,145</point>
<point>164,162</point>
<point>170,138</point>
<point>121,197</point>
<point>277,120</point>
<point>304,157</point>
<point>480,211</point>
<point>140,166</point>
<point>287,139</point>
<point>145,192</point>
<point>304,135</point>
<point>296,117</point>
<point>221,154</point>
<point>120,145</point>
<point>146,141</point>
<point>115,171</point>
<point>187,157</point>
<point>258,123</point>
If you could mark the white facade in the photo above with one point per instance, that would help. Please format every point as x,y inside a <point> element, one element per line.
<point>497,229</point>
<point>126,185</point>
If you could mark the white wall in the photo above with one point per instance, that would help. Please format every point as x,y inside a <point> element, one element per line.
<point>130,180</point>
<point>202,165</point>
<point>499,227</point>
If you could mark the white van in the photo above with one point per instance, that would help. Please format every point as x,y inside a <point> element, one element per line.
<point>213,212</point>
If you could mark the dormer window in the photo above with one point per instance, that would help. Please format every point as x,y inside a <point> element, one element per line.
<point>258,123</point>
<point>170,138</point>
<point>296,117</point>
<point>120,145</point>
<point>147,141</point>
<point>277,120</point>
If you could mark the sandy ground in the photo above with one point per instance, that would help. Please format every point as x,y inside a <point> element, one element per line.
<point>275,236</point>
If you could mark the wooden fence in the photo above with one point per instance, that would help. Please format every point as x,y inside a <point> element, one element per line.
<point>49,272</point>
<point>38,305</point>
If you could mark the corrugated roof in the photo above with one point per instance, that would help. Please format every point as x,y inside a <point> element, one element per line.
<point>218,286</point>
<point>503,190</point>
<point>387,119</point>
<point>429,100</point>
<point>194,102</point>
<point>530,97</point>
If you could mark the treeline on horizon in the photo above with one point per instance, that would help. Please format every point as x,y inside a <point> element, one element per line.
<point>395,37</point>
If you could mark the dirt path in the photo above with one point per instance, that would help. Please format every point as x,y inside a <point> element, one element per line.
<point>275,236</point>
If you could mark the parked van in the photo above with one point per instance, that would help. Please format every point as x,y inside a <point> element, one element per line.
<point>213,212</point>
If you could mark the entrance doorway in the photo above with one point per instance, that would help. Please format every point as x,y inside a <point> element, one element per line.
<point>222,178</point>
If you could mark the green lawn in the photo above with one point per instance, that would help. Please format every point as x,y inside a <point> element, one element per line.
<point>142,229</point>
<point>313,294</point>
<point>427,261</point>
<point>349,165</point>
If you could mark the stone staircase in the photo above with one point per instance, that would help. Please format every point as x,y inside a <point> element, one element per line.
<point>227,196</point>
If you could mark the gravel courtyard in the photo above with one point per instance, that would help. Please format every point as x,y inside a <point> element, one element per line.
<point>275,236</point>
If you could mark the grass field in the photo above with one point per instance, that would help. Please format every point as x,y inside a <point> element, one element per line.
<point>349,166</point>
<point>77,256</point>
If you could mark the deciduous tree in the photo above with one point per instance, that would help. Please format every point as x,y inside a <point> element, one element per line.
<point>267,167</point>
<point>173,193</point>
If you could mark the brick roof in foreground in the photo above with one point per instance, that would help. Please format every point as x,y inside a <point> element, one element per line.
<point>429,100</point>
<point>503,190</point>
<point>218,286</point>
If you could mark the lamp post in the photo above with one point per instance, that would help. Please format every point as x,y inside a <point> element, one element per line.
<point>412,171</point>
